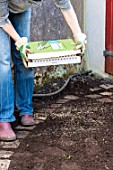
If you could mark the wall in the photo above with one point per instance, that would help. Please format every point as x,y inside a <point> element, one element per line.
<point>95,30</point>
<point>47,21</point>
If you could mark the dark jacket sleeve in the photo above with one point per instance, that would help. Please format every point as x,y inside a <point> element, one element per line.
<point>63,4</point>
<point>4,12</point>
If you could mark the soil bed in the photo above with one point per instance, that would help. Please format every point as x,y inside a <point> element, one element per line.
<point>78,131</point>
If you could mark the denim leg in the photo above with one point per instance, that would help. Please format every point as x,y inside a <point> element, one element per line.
<point>23,78</point>
<point>6,87</point>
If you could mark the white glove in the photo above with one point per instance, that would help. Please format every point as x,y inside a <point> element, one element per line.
<point>23,47</point>
<point>80,41</point>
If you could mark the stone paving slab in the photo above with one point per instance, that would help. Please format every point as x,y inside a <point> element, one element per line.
<point>71,97</point>
<point>106,93</point>
<point>93,96</point>
<point>9,145</point>
<point>95,89</point>
<point>5,154</point>
<point>106,86</point>
<point>40,117</point>
<point>38,122</point>
<point>4,164</point>
<point>22,134</point>
<point>24,128</point>
<point>62,101</point>
<point>105,100</point>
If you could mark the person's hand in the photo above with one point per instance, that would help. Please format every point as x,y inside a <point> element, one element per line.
<point>23,47</point>
<point>80,41</point>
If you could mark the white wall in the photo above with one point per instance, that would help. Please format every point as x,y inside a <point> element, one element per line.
<point>95,30</point>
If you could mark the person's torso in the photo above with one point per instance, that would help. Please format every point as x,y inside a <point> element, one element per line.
<point>16,6</point>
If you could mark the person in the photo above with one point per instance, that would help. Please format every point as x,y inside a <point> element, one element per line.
<point>15,18</point>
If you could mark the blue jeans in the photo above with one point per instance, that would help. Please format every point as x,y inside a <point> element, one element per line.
<point>19,94</point>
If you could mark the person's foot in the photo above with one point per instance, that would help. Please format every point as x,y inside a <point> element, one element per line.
<point>27,120</point>
<point>6,132</point>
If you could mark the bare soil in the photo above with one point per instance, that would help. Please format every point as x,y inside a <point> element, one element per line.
<point>77,133</point>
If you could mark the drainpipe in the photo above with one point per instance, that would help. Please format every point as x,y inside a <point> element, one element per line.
<point>108,53</point>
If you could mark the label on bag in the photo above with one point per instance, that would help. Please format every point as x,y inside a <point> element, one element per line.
<point>55,45</point>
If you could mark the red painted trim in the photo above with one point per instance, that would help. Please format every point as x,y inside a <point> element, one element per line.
<point>109,25</point>
<point>109,36</point>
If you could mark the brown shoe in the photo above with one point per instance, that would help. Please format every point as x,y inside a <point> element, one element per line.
<point>6,132</point>
<point>27,120</point>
